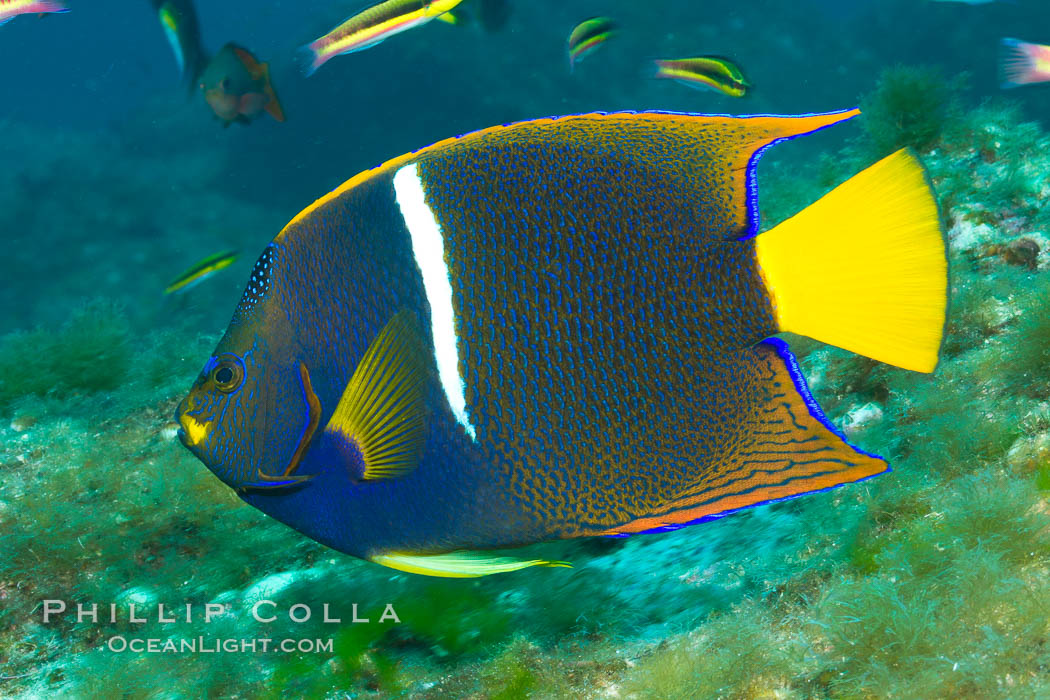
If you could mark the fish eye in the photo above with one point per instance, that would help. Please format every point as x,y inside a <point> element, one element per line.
<point>227,376</point>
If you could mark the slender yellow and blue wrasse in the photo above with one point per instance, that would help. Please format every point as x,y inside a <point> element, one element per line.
<point>178,19</point>
<point>705,73</point>
<point>9,9</point>
<point>372,26</point>
<point>201,271</point>
<point>560,328</point>
<point>587,36</point>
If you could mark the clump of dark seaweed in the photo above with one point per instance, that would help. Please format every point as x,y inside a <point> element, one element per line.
<point>909,107</point>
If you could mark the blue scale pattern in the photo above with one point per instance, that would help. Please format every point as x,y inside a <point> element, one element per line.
<point>596,273</point>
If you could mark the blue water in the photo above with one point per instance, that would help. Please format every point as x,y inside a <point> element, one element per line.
<point>106,66</point>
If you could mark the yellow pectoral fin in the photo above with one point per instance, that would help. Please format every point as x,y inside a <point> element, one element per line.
<point>458,564</point>
<point>381,410</point>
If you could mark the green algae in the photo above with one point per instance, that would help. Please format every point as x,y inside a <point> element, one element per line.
<point>90,352</point>
<point>930,581</point>
<point>1028,352</point>
<point>909,108</point>
<point>516,673</point>
<point>739,654</point>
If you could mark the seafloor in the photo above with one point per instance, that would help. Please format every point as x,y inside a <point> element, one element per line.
<point>928,582</point>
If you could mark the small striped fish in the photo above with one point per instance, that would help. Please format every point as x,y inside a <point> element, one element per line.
<point>372,26</point>
<point>201,271</point>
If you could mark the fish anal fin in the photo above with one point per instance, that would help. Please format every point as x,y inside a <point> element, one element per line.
<point>458,564</point>
<point>381,410</point>
<point>789,450</point>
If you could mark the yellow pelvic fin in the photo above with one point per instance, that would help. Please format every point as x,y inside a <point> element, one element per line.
<point>865,267</point>
<point>450,17</point>
<point>458,564</point>
<point>381,410</point>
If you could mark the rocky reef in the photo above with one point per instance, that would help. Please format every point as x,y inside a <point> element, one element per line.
<point>931,581</point>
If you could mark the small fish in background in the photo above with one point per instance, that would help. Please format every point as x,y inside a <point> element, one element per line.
<point>178,19</point>
<point>9,9</point>
<point>238,88</point>
<point>587,36</point>
<point>560,328</point>
<point>201,271</point>
<point>1023,63</point>
<point>370,27</point>
<point>706,73</point>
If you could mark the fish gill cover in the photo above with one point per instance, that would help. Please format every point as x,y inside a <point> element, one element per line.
<point>929,581</point>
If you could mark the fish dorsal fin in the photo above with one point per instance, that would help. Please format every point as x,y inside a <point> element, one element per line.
<point>248,60</point>
<point>710,159</point>
<point>381,411</point>
<point>788,449</point>
<point>459,564</point>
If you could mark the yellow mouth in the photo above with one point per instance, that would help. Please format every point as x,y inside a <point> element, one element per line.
<point>195,430</point>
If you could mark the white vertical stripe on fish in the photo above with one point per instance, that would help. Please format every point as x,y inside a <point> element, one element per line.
<point>428,246</point>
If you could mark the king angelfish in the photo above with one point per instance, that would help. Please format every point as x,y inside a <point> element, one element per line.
<point>560,328</point>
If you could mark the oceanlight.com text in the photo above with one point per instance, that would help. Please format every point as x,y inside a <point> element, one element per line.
<point>204,645</point>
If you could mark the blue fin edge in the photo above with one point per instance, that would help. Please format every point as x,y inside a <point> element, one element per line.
<point>785,354</point>
<point>751,186</point>
<point>751,180</point>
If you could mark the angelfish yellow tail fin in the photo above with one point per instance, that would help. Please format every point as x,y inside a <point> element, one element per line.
<point>865,267</point>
